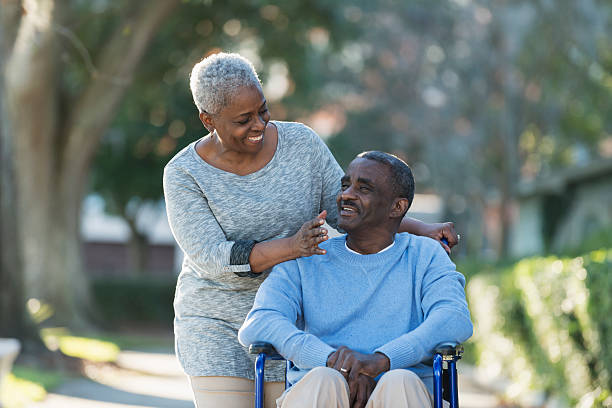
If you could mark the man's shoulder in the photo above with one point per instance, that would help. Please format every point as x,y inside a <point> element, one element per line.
<point>419,247</point>
<point>417,241</point>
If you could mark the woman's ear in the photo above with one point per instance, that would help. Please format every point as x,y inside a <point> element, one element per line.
<point>207,121</point>
<point>399,208</point>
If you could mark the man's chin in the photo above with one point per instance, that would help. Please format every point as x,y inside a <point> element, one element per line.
<point>347,225</point>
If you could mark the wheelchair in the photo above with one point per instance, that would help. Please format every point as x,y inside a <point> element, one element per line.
<point>444,365</point>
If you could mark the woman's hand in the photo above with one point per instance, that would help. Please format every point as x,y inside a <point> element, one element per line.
<point>442,231</point>
<point>306,241</point>
<point>439,231</point>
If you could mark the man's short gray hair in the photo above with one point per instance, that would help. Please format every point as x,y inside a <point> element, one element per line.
<point>217,78</point>
<point>403,180</point>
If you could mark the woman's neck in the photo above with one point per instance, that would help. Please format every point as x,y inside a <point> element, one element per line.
<point>212,150</point>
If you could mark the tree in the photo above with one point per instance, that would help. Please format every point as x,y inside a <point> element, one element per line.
<point>54,130</point>
<point>477,95</point>
<point>67,67</point>
<point>158,117</point>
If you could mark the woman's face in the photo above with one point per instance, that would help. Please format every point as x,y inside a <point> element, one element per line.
<point>240,126</point>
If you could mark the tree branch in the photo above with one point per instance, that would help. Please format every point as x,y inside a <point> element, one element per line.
<point>96,107</point>
<point>10,18</point>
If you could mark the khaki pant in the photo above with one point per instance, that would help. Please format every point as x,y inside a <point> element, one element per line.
<point>326,387</point>
<point>232,392</point>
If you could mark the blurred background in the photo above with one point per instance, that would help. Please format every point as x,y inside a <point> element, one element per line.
<point>502,108</point>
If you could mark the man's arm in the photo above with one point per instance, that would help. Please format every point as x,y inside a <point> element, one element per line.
<point>445,311</point>
<point>277,306</point>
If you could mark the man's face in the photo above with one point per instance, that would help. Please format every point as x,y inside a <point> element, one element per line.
<point>366,197</point>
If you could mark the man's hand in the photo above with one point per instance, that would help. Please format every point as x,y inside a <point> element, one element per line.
<point>351,363</point>
<point>360,390</point>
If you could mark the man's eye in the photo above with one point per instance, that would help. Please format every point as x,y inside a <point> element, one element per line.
<point>364,188</point>
<point>244,122</point>
<point>344,187</point>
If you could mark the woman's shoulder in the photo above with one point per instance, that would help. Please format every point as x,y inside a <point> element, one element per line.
<point>296,132</point>
<point>183,157</point>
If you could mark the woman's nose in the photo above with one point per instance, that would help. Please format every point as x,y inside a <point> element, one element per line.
<point>260,123</point>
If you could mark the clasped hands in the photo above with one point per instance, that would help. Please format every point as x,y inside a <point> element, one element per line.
<point>359,370</point>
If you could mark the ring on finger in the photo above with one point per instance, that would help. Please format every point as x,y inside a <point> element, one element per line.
<point>344,370</point>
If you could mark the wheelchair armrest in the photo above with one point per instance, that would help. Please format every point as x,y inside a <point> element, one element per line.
<point>449,351</point>
<point>266,348</point>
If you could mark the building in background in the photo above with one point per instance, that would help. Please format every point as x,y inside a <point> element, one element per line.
<point>565,209</point>
<point>106,241</point>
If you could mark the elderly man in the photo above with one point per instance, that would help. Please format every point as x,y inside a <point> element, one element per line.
<point>360,321</point>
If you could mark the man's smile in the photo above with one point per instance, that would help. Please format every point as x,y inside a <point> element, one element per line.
<point>348,209</point>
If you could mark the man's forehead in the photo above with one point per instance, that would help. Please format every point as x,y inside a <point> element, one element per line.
<point>367,166</point>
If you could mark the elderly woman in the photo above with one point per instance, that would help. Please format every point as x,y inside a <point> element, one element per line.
<point>250,194</point>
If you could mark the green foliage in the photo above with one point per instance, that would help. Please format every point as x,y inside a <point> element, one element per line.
<point>134,301</point>
<point>158,117</point>
<point>545,323</point>
<point>25,385</point>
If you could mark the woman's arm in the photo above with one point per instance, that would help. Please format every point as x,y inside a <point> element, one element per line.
<point>305,242</point>
<point>202,239</point>
<point>437,231</point>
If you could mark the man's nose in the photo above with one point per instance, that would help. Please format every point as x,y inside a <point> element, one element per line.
<point>347,194</point>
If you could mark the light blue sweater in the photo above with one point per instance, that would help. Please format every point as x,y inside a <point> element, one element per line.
<point>402,302</point>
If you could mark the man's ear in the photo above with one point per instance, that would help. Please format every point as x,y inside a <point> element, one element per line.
<point>207,121</point>
<point>399,208</point>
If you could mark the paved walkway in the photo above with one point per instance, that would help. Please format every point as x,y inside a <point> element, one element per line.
<point>145,379</point>
<point>141,379</point>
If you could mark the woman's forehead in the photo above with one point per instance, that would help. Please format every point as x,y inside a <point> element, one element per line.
<point>246,99</point>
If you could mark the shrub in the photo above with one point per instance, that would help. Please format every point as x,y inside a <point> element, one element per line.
<point>546,324</point>
<point>144,301</point>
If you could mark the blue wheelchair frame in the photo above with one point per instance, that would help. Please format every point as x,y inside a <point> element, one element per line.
<point>444,370</point>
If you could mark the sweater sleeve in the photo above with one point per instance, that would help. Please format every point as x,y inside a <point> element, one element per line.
<point>445,312</point>
<point>197,231</point>
<point>277,308</point>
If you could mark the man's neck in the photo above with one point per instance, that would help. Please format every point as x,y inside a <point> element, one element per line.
<point>372,243</point>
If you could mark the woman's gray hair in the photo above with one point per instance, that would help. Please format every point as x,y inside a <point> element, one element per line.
<point>217,78</point>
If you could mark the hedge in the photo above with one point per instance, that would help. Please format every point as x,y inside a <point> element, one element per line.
<point>546,324</point>
<point>133,301</point>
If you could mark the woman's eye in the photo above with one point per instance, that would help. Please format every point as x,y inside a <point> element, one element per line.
<point>344,187</point>
<point>244,122</point>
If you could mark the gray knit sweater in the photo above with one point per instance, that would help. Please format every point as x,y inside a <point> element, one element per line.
<point>215,216</point>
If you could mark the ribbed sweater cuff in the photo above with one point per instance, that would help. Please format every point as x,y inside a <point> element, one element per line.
<point>315,353</point>
<point>400,355</point>
<point>239,256</point>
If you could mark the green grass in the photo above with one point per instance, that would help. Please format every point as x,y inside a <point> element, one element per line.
<point>90,349</point>
<point>25,385</point>
<point>134,341</point>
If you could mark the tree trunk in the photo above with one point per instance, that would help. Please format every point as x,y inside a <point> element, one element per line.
<point>14,321</point>
<point>12,301</point>
<point>53,152</point>
<point>137,249</point>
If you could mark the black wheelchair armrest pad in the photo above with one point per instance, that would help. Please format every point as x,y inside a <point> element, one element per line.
<point>449,350</point>
<point>262,347</point>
